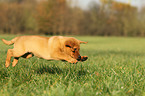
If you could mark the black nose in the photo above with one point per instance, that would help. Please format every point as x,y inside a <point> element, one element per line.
<point>79,58</point>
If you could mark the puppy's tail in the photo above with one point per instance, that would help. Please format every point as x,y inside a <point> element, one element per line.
<point>10,42</point>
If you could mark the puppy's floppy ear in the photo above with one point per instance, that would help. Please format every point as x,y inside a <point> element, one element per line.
<point>82,42</point>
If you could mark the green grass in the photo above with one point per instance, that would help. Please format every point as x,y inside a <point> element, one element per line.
<point>116,66</point>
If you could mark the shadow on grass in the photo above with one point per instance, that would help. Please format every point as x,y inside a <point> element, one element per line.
<point>51,70</point>
<point>57,70</point>
<point>82,72</point>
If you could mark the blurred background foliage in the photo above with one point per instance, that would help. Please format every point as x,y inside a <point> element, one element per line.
<point>59,17</point>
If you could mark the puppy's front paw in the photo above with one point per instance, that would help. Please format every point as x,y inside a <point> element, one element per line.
<point>84,58</point>
<point>73,61</point>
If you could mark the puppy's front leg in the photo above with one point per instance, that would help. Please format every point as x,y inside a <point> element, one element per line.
<point>63,56</point>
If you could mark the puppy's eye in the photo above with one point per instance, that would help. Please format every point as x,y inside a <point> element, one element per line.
<point>68,46</point>
<point>75,49</point>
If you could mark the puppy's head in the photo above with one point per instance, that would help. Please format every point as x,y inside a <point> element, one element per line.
<point>72,47</point>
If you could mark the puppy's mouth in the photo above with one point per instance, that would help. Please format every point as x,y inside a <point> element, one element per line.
<point>82,58</point>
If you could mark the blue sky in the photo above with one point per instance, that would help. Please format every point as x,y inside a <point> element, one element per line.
<point>84,3</point>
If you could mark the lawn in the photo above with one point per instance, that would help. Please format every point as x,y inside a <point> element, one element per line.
<point>116,66</point>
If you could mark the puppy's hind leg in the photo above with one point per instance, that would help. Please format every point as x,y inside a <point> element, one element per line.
<point>15,61</point>
<point>27,55</point>
<point>13,53</point>
<point>8,59</point>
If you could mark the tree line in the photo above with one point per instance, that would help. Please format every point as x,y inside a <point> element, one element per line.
<point>59,17</point>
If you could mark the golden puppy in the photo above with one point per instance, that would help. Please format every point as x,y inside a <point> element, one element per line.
<point>49,48</point>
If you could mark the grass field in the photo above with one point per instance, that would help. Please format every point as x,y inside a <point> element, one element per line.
<point>116,66</point>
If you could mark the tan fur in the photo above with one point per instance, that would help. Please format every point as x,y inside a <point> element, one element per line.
<point>50,48</point>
